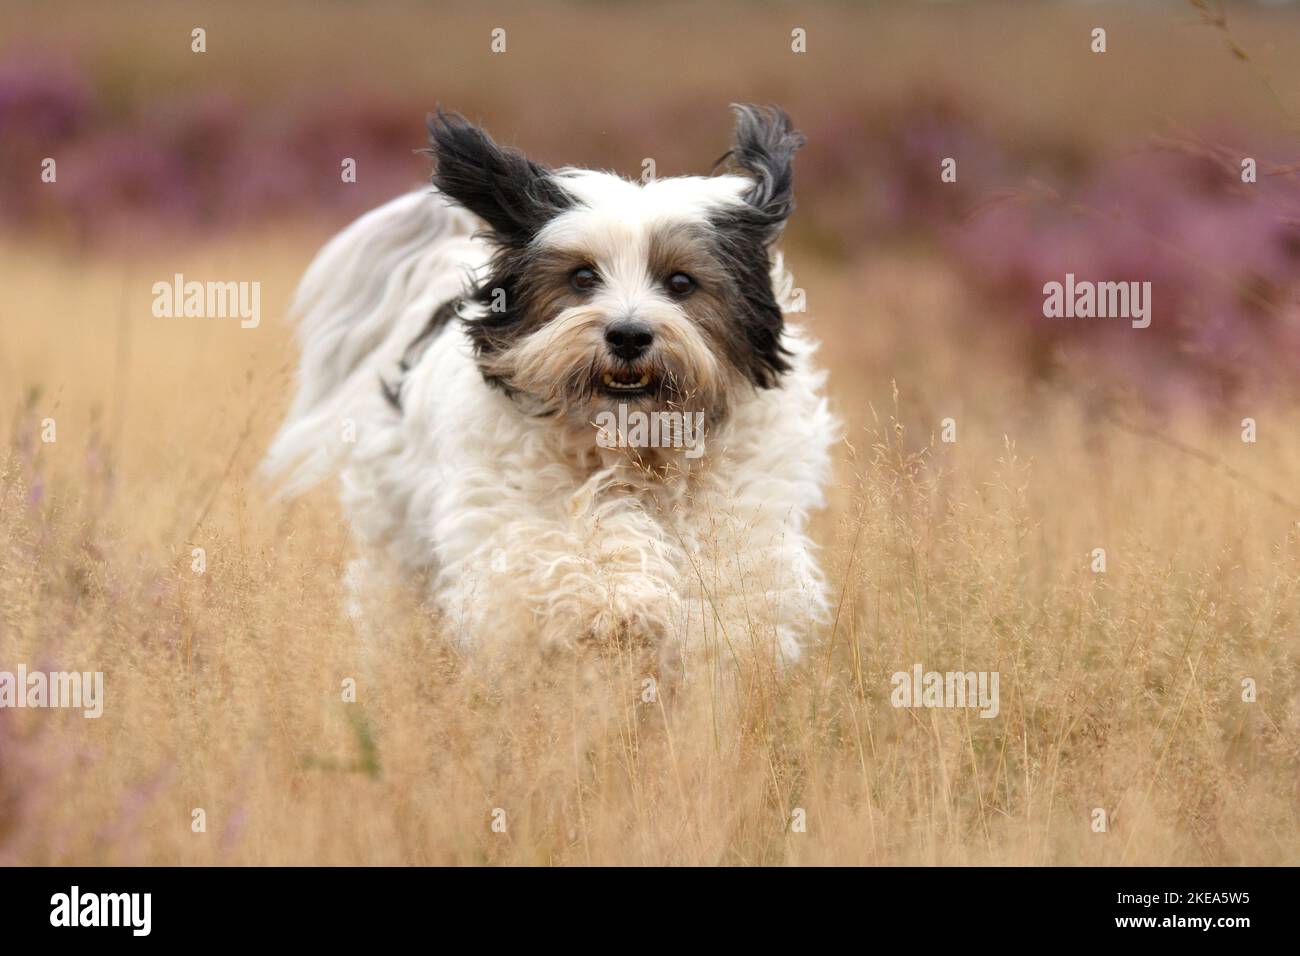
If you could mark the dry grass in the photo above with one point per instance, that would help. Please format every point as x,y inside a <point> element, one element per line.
<point>1120,691</point>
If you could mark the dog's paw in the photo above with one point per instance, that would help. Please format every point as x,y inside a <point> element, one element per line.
<point>637,641</point>
<point>624,628</point>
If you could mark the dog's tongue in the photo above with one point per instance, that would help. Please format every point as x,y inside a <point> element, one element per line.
<point>627,377</point>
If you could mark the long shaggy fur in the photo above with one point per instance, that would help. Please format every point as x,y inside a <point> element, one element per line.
<point>451,372</point>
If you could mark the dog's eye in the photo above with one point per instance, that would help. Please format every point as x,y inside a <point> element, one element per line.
<point>584,279</point>
<point>680,284</point>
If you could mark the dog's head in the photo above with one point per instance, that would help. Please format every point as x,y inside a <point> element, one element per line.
<point>603,291</point>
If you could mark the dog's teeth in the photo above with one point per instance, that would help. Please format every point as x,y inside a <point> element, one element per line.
<point>616,384</point>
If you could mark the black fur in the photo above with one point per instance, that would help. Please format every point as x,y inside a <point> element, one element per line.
<point>411,354</point>
<point>741,245</point>
<point>437,322</point>
<point>506,298</point>
<point>515,197</point>
<point>503,187</point>
<point>764,150</point>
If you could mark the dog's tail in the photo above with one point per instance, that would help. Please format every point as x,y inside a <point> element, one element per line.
<point>366,294</point>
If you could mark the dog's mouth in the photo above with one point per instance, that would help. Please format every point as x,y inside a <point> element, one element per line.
<point>626,382</point>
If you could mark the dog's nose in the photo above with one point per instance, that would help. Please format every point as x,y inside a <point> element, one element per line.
<point>628,339</point>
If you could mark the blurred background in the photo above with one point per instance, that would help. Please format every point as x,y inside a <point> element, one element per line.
<point>1117,165</point>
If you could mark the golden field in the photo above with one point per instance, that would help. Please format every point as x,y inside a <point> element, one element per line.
<point>1120,691</point>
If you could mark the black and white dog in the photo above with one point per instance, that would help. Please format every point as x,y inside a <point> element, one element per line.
<point>576,407</point>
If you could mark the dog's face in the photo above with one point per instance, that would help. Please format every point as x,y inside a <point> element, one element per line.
<point>604,292</point>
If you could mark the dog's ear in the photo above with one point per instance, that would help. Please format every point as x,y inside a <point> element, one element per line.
<point>503,187</point>
<point>765,148</point>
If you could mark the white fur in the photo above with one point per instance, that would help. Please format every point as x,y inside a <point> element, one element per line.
<point>520,527</point>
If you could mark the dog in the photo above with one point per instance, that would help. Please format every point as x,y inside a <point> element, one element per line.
<point>572,407</point>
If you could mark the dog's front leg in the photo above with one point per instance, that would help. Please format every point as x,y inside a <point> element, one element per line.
<point>596,567</point>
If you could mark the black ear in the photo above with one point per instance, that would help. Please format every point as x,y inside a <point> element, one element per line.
<point>511,193</point>
<point>765,148</point>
